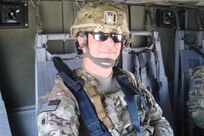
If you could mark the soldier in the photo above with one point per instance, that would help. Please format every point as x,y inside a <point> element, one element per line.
<point>196,97</point>
<point>102,31</point>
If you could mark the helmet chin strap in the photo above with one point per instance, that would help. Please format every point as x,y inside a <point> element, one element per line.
<point>102,62</point>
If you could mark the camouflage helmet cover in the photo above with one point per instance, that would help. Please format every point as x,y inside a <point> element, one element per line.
<point>101,17</point>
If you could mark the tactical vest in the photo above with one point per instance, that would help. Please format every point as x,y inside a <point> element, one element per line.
<point>61,93</point>
<point>89,83</point>
<point>107,106</point>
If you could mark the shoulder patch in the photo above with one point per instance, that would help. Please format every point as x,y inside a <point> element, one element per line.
<point>196,84</point>
<point>49,106</point>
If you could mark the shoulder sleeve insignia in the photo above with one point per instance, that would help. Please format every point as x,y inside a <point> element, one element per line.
<point>49,106</point>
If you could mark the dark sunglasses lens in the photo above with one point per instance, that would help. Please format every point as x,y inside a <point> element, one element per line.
<point>103,36</point>
<point>117,37</point>
<point>100,36</point>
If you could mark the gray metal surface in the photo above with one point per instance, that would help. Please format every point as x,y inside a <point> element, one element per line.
<point>4,123</point>
<point>23,121</point>
<point>161,2</point>
<point>179,45</point>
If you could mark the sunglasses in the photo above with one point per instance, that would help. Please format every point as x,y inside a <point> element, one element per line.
<point>104,36</point>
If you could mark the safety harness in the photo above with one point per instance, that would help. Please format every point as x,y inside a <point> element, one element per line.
<point>94,125</point>
<point>197,50</point>
<point>143,68</point>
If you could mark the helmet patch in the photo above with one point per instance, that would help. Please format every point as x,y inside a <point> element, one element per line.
<point>110,18</point>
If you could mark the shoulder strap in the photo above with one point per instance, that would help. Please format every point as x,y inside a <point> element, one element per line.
<point>129,90</point>
<point>94,126</point>
<point>200,53</point>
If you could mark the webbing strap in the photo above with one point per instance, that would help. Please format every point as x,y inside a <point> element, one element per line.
<point>94,126</point>
<point>127,87</point>
<point>157,62</point>
<point>142,68</point>
<point>200,53</point>
<point>96,99</point>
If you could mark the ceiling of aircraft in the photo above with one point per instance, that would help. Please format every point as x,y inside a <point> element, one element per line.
<point>197,3</point>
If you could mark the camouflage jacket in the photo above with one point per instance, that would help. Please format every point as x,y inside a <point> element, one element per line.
<point>196,96</point>
<point>64,116</point>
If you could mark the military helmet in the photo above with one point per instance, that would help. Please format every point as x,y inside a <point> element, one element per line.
<point>101,16</point>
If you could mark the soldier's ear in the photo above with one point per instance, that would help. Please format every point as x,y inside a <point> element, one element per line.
<point>80,40</point>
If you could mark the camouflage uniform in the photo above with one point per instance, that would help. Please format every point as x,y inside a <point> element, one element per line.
<point>64,119</point>
<point>58,116</point>
<point>196,96</point>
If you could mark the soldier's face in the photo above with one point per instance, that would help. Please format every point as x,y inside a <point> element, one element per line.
<point>107,48</point>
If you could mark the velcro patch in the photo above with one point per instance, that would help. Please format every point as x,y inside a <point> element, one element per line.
<point>49,106</point>
<point>196,84</point>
